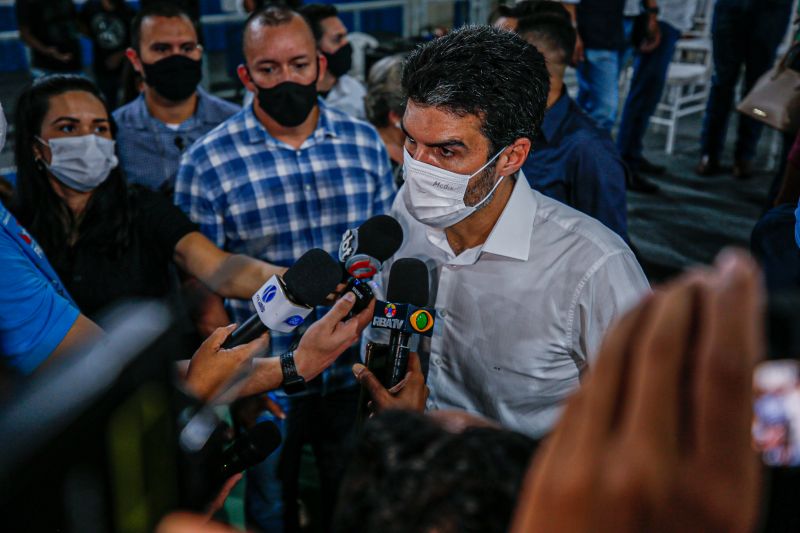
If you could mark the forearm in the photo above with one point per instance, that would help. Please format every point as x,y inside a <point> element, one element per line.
<point>267,374</point>
<point>240,276</point>
<point>31,41</point>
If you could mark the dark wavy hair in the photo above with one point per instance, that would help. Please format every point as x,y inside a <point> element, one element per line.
<point>36,205</point>
<point>479,70</point>
<point>407,474</point>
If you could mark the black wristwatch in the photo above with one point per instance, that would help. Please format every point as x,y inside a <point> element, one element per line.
<point>292,381</point>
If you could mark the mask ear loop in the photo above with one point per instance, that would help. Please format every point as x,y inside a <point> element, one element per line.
<point>489,196</point>
<point>39,161</point>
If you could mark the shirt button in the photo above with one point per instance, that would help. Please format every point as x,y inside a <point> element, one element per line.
<point>437,361</point>
<point>442,313</point>
<point>308,187</point>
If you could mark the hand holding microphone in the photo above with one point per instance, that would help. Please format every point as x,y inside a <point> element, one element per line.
<point>362,253</point>
<point>393,377</point>
<point>284,302</point>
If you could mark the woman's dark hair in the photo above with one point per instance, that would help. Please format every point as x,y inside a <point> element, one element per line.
<point>39,209</point>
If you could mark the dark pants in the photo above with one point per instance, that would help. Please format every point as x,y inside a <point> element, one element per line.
<point>647,84</point>
<point>744,33</point>
<point>327,423</point>
<point>773,244</point>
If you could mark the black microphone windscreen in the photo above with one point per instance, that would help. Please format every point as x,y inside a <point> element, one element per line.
<point>408,282</point>
<point>312,277</point>
<point>380,237</point>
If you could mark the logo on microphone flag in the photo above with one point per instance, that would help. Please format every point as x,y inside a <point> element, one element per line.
<point>421,321</point>
<point>269,293</point>
<point>390,310</point>
<point>294,320</point>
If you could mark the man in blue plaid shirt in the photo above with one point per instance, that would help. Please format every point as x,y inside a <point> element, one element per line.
<point>282,176</point>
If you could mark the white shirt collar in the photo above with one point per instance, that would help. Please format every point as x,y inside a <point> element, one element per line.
<point>511,235</point>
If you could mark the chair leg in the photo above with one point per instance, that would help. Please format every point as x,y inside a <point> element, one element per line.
<point>673,119</point>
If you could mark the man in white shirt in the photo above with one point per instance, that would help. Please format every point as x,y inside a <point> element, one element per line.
<point>524,287</point>
<point>339,89</point>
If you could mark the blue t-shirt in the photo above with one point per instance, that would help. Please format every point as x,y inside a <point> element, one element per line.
<point>35,310</point>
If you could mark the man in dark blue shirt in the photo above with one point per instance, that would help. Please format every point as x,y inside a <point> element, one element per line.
<point>572,160</point>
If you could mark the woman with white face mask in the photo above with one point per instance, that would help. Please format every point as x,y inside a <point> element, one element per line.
<point>107,242</point>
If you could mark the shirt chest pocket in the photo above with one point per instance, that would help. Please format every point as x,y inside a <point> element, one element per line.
<point>532,372</point>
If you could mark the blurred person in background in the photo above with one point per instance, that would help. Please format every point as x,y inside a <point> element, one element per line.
<point>339,89</point>
<point>744,33</point>
<point>384,105</point>
<point>107,23</point>
<point>172,111</point>
<point>572,160</point>
<point>600,26</point>
<point>647,84</point>
<point>49,28</point>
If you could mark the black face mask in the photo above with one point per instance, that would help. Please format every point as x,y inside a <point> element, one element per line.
<point>340,62</point>
<point>174,77</point>
<point>288,103</point>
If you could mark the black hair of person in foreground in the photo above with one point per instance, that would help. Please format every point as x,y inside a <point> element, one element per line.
<point>409,474</point>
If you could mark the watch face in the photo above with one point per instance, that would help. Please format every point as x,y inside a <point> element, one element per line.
<point>295,384</point>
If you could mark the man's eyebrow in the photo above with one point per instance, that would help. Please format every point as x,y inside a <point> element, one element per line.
<point>444,144</point>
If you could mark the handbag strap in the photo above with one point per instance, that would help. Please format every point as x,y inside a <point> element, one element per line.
<point>793,50</point>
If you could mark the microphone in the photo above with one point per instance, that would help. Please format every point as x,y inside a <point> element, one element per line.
<point>361,253</point>
<point>408,287</point>
<point>249,449</point>
<point>283,303</point>
<point>363,250</point>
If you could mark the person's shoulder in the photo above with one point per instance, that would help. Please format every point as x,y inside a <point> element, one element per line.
<point>351,83</point>
<point>219,106</point>
<point>221,135</point>
<point>556,221</point>
<point>586,141</point>
<point>127,114</point>
<point>349,126</point>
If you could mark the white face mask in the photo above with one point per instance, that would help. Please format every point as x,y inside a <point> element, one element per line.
<point>435,196</point>
<point>81,163</point>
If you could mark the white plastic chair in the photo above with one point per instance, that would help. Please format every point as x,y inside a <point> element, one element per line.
<point>360,42</point>
<point>686,94</point>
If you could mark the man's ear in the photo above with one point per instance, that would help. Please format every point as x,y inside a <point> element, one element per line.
<point>133,57</point>
<point>244,77</point>
<point>513,157</point>
<point>322,61</point>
